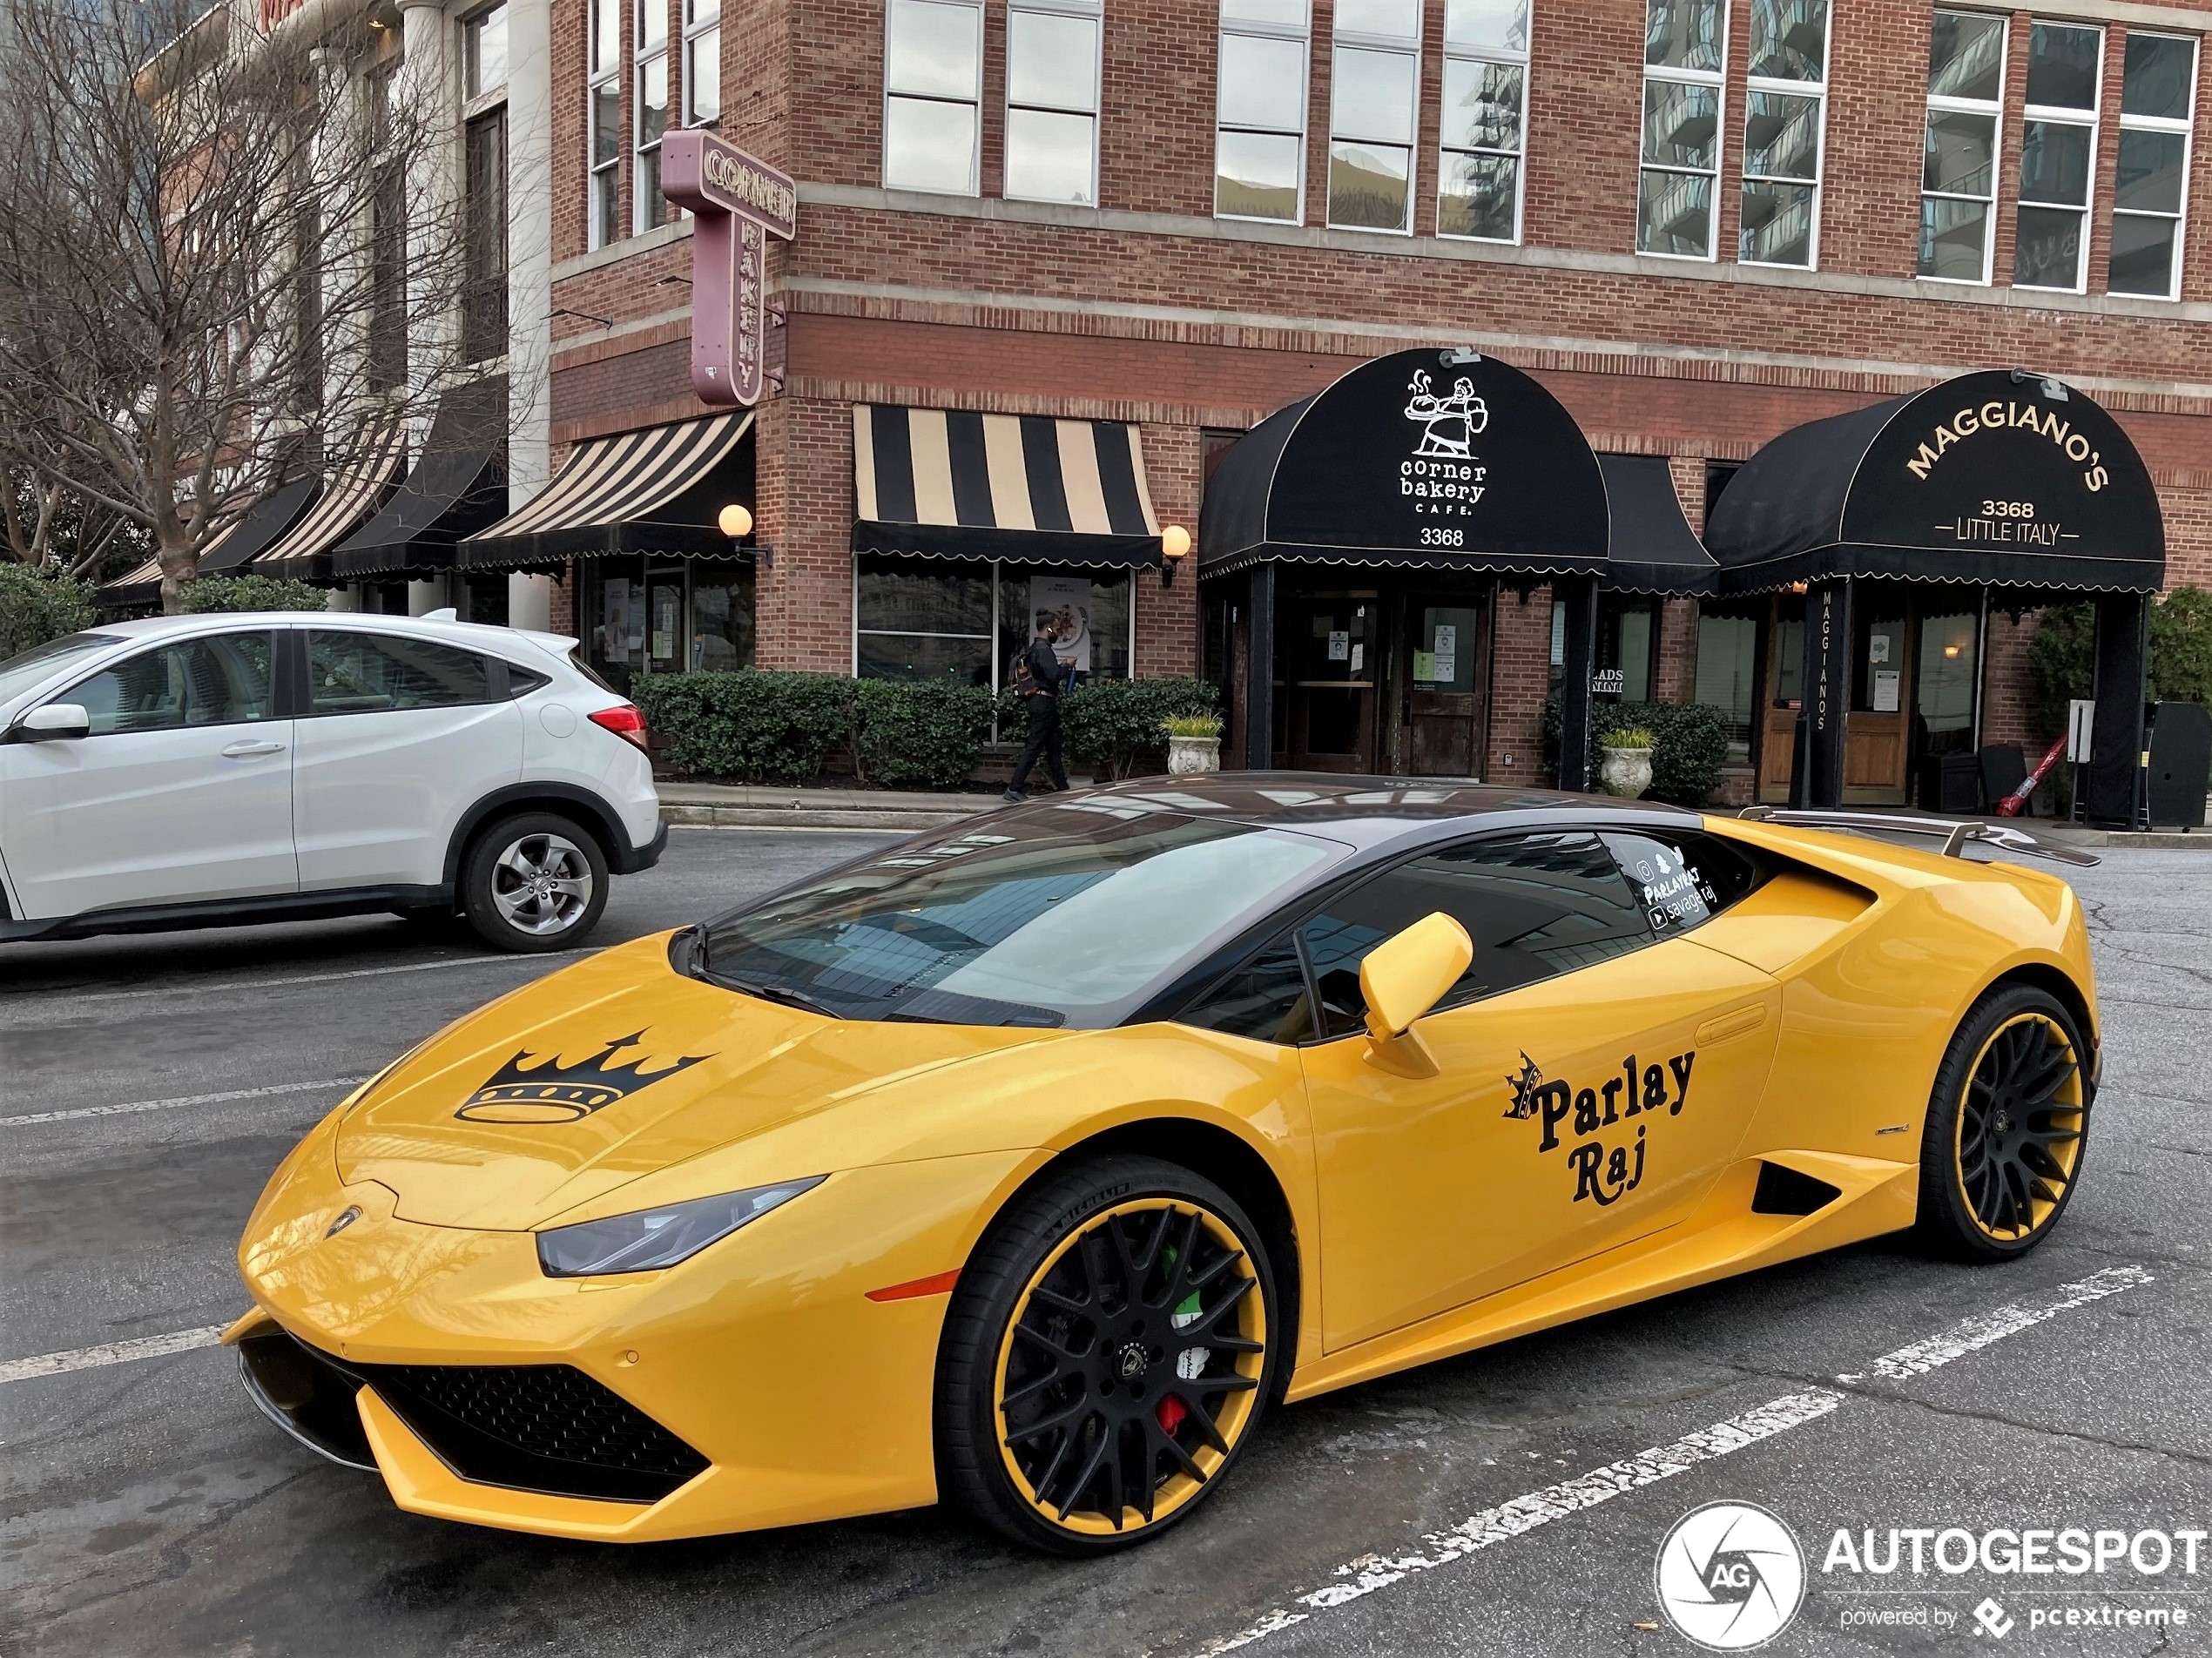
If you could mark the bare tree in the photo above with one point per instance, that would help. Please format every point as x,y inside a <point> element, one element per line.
<point>228,257</point>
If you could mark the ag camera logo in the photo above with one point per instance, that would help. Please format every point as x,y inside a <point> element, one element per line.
<point>1729,1576</point>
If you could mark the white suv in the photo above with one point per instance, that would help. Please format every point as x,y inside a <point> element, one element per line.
<point>196,771</point>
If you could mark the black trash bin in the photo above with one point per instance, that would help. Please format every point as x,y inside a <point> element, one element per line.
<point>2181,765</point>
<point>1949,783</point>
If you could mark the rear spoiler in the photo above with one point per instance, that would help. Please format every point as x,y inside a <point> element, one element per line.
<point>1956,833</point>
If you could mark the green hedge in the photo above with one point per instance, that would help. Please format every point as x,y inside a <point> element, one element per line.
<point>922,734</point>
<point>252,593</point>
<point>764,727</point>
<point>1690,750</point>
<point>39,603</point>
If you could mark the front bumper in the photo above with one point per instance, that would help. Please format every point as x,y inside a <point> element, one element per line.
<point>754,1385</point>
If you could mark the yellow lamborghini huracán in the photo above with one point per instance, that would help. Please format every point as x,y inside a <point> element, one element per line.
<point>1027,1164</point>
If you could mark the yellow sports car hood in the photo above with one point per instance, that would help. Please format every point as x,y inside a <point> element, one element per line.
<point>579,1084</point>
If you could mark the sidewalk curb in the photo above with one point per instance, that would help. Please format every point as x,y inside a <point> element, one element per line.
<point>692,816</point>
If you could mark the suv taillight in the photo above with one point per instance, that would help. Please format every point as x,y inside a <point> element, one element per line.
<point>624,720</point>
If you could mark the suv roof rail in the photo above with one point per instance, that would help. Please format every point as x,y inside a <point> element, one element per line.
<point>1956,833</point>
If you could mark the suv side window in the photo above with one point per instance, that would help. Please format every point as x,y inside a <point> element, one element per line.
<point>1534,906</point>
<point>223,680</point>
<point>364,673</point>
<point>1681,879</point>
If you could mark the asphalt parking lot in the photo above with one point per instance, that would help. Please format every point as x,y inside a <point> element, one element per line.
<point>1498,1503</point>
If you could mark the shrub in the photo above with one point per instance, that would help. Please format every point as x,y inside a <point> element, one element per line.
<point>252,593</point>
<point>39,603</point>
<point>2181,646</point>
<point>926,733</point>
<point>1690,744</point>
<point>758,726</point>
<point>2061,665</point>
<point>1116,723</point>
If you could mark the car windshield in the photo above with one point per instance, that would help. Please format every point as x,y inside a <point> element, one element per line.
<point>1054,915</point>
<point>41,663</point>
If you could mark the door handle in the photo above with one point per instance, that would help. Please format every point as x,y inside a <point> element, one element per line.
<point>248,749</point>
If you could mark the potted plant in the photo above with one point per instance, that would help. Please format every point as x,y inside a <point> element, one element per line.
<point>1627,768</point>
<point>1194,743</point>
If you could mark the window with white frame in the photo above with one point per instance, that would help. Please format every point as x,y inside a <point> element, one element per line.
<point>1052,100</point>
<point>1259,122</point>
<point>2157,92</point>
<point>1784,110</point>
<point>1485,119</point>
<point>1958,157</point>
<point>651,208</point>
<point>1685,52</point>
<point>1374,95</point>
<point>933,95</point>
<point>2058,156</point>
<point>603,115</point>
<point>701,62</point>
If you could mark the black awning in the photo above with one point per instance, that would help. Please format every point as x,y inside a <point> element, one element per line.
<point>658,490</point>
<point>1438,458</point>
<point>1654,549</point>
<point>2002,477</point>
<point>458,488</point>
<point>266,521</point>
<point>950,483</point>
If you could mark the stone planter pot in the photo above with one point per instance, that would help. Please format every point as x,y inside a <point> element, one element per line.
<point>1190,754</point>
<point>1626,772</point>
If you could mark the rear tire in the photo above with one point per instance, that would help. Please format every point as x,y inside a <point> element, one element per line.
<point>2008,1123</point>
<point>1078,1411</point>
<point>533,882</point>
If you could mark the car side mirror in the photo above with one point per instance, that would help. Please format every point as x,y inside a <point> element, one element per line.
<point>53,723</point>
<point>1409,973</point>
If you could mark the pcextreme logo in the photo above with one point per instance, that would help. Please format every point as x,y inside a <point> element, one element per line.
<point>1729,1576</point>
<point>1603,1173</point>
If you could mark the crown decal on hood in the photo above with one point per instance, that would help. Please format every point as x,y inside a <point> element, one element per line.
<point>551,1092</point>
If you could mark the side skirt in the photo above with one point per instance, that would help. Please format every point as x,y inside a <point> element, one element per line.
<point>1722,1237</point>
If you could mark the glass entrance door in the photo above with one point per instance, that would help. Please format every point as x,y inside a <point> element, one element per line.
<point>1448,674</point>
<point>1334,643</point>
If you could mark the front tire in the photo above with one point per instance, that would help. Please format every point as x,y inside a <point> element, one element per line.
<point>533,882</point>
<point>2008,1120</point>
<point>1107,1355</point>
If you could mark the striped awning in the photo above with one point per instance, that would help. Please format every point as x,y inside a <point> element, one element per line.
<point>352,497</point>
<point>655,490</point>
<point>949,483</point>
<point>233,546</point>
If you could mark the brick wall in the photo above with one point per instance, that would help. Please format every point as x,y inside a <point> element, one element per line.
<point>1519,675</point>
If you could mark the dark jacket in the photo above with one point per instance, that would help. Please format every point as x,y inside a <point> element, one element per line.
<point>1045,671</point>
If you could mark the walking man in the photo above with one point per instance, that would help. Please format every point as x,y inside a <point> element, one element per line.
<point>1038,675</point>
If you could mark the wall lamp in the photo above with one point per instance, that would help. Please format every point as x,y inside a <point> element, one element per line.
<point>736,522</point>
<point>1175,547</point>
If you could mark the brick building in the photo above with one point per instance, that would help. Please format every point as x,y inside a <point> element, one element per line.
<point>1695,224</point>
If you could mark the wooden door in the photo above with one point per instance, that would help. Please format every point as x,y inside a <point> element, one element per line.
<point>1447,668</point>
<point>1335,644</point>
<point>1877,729</point>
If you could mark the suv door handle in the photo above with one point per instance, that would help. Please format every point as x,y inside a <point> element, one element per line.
<point>251,747</point>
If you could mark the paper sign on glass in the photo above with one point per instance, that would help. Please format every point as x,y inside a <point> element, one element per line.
<point>1885,691</point>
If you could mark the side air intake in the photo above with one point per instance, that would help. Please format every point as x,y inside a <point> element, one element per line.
<point>1784,1192</point>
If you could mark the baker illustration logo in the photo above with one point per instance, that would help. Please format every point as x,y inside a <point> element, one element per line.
<point>1449,424</point>
<point>1603,1171</point>
<point>549,1091</point>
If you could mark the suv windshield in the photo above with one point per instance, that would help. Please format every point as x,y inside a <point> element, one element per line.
<point>1039,917</point>
<point>19,673</point>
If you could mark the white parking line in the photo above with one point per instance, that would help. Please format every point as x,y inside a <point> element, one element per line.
<point>1370,1572</point>
<point>121,1107</point>
<point>202,987</point>
<point>1972,1335</point>
<point>109,1352</point>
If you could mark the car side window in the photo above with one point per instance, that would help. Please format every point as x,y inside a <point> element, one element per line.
<point>1682,880</point>
<point>1264,999</point>
<point>1534,906</point>
<point>365,673</point>
<point>222,680</point>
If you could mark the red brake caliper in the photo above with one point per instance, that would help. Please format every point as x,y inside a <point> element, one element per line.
<point>1170,1411</point>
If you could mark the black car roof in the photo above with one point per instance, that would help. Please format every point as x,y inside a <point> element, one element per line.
<point>1369,812</point>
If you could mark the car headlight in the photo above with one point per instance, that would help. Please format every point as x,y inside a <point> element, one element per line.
<point>658,1237</point>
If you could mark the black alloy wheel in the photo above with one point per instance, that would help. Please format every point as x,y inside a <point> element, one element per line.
<point>2002,1151</point>
<point>1106,1356</point>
